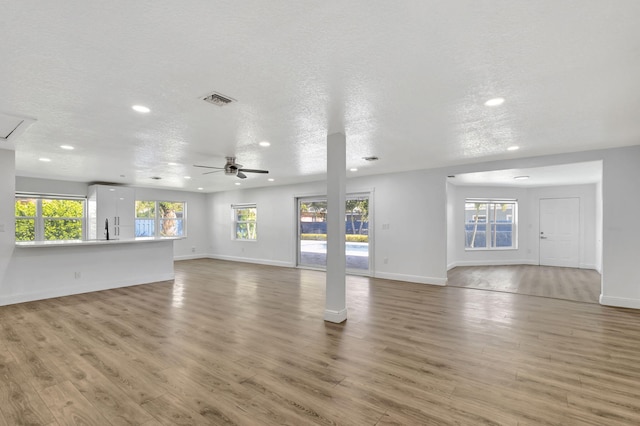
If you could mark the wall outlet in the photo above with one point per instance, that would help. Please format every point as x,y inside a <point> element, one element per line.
<point>1,227</point>
<point>77,275</point>
<point>193,249</point>
<point>385,226</point>
<point>385,260</point>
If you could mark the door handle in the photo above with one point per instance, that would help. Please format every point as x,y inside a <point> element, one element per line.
<point>543,238</point>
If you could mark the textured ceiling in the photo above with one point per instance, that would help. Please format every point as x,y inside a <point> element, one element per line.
<point>589,172</point>
<point>405,81</point>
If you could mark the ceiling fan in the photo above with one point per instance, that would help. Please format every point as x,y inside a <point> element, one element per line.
<point>232,168</point>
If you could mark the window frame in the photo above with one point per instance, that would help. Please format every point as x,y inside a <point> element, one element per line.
<point>491,224</point>
<point>39,219</point>
<point>235,222</point>
<point>158,220</point>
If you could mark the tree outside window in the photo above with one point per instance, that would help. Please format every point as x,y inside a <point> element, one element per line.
<point>49,219</point>
<point>490,224</point>
<point>160,218</point>
<point>245,222</point>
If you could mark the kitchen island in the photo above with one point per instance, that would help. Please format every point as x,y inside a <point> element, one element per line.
<point>45,269</point>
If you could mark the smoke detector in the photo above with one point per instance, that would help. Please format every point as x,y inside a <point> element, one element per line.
<point>218,99</point>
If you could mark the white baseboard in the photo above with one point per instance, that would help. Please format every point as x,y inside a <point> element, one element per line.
<point>588,266</point>
<point>411,278</point>
<point>252,260</point>
<point>500,262</point>
<point>68,291</point>
<point>335,316</point>
<point>621,302</point>
<point>191,257</point>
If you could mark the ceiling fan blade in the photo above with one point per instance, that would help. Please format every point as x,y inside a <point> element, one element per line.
<point>208,167</point>
<point>214,171</point>
<point>253,171</point>
<point>241,175</point>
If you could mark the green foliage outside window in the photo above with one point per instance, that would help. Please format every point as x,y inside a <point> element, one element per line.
<point>246,227</point>
<point>25,228</point>
<point>59,219</point>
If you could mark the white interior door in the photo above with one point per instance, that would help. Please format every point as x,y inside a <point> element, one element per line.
<point>560,232</point>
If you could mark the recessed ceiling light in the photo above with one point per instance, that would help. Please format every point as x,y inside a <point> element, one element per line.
<point>494,102</point>
<point>187,177</point>
<point>271,179</point>
<point>172,164</point>
<point>264,143</point>
<point>200,189</point>
<point>141,108</point>
<point>45,160</point>
<point>353,169</point>
<point>521,177</point>
<point>513,148</point>
<point>112,189</point>
<point>238,183</point>
<point>67,147</point>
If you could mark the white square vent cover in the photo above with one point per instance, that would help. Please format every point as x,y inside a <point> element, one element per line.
<point>11,126</point>
<point>218,99</point>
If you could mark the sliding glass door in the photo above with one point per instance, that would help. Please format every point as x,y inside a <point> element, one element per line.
<point>312,232</point>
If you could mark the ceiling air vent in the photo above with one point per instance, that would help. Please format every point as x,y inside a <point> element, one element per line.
<point>218,99</point>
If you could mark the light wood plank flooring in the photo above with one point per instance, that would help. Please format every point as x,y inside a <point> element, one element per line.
<point>232,343</point>
<point>580,285</point>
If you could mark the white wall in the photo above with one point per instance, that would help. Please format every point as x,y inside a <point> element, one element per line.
<point>588,224</point>
<point>36,273</point>
<point>45,272</point>
<point>462,257</point>
<point>620,234</point>
<point>452,231</point>
<point>410,203</point>
<point>528,224</point>
<point>195,245</point>
<point>599,227</point>
<point>415,206</point>
<point>7,212</point>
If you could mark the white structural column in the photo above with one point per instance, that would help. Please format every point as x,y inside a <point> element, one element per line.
<point>336,303</point>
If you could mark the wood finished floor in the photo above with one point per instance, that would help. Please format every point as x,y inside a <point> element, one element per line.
<point>232,343</point>
<point>580,285</point>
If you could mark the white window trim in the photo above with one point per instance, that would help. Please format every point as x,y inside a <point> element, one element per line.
<point>514,223</point>
<point>39,219</point>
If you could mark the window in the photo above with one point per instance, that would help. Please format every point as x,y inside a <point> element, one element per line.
<point>145,219</point>
<point>49,219</point>
<point>490,224</point>
<point>245,221</point>
<point>160,218</point>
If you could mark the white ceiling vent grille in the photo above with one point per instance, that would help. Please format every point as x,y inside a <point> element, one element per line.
<point>218,99</point>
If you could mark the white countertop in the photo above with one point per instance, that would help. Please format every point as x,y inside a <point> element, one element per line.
<point>75,243</point>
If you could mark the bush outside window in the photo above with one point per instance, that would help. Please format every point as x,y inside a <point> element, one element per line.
<point>49,219</point>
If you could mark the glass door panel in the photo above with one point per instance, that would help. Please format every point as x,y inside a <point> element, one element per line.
<point>312,233</point>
